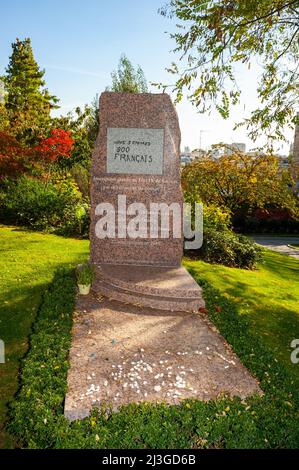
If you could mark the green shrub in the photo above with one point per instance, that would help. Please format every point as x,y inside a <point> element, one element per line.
<point>85,274</point>
<point>216,218</point>
<point>82,177</point>
<point>37,419</point>
<point>40,205</point>
<point>228,248</point>
<point>220,244</point>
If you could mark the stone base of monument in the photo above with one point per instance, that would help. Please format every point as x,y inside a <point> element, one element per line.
<point>156,287</point>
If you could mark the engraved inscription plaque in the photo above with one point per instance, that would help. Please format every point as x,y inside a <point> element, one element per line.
<point>135,151</point>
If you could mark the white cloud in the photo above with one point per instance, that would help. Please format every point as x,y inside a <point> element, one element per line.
<point>74,70</point>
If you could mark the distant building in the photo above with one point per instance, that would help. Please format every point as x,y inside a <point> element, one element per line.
<point>215,153</point>
<point>185,156</point>
<point>283,161</point>
<point>185,160</point>
<point>255,153</point>
<point>197,154</point>
<point>239,146</point>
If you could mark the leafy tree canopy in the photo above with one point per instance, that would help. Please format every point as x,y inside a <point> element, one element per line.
<point>240,183</point>
<point>127,79</point>
<point>215,35</point>
<point>84,126</point>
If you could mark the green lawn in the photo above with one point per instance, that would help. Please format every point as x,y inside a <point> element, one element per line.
<point>268,296</point>
<point>27,262</point>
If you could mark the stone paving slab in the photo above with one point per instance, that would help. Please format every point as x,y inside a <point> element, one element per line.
<point>122,353</point>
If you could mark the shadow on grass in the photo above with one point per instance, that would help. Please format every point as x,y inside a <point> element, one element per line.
<point>274,323</point>
<point>282,266</point>
<point>17,313</point>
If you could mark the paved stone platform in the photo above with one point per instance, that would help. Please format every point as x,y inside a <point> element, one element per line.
<point>124,353</point>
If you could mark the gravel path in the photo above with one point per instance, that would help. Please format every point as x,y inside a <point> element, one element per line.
<point>279,244</point>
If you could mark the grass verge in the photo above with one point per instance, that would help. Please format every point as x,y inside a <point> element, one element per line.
<point>267,297</point>
<point>27,263</point>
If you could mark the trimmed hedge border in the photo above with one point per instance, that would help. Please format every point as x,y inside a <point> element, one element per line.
<point>36,414</point>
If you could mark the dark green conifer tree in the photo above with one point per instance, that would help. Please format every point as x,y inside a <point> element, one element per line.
<point>28,103</point>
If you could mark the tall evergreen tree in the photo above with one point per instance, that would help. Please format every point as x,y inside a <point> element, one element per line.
<point>27,102</point>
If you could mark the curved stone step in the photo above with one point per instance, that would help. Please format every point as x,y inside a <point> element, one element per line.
<point>148,300</point>
<point>165,282</point>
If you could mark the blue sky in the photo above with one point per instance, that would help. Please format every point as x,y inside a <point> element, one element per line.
<point>79,43</point>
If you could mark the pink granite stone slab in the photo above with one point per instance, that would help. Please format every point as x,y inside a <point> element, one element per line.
<point>146,112</point>
<point>123,353</point>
